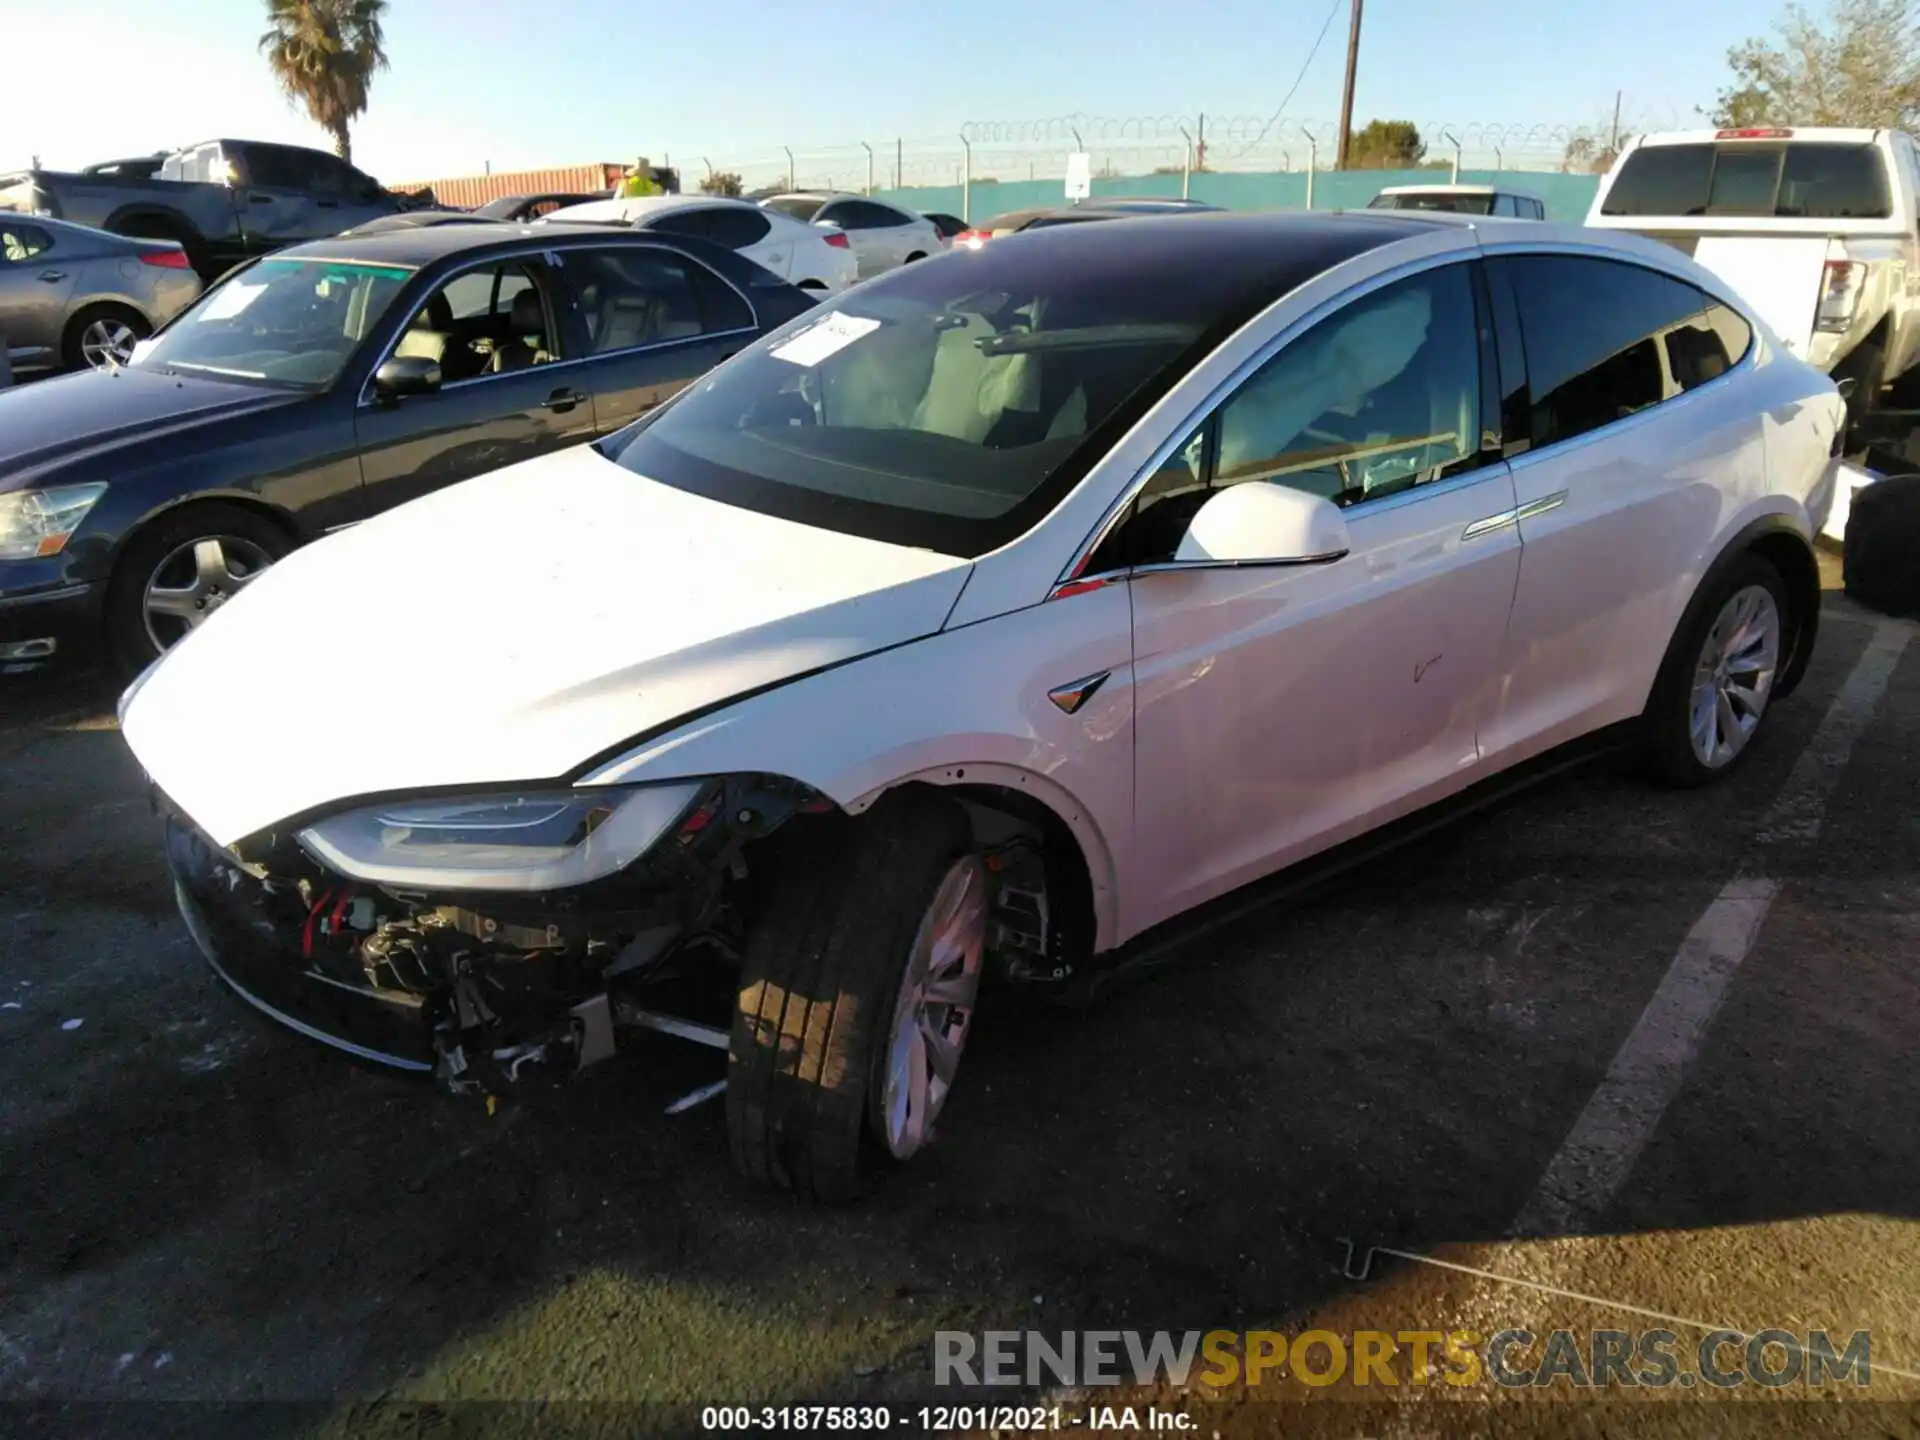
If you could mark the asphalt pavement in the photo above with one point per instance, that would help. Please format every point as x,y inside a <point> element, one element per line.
<point>1605,1053</point>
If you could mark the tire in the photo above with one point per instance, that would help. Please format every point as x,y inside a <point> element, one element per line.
<point>812,287</point>
<point>94,330</point>
<point>815,1024</point>
<point>917,255</point>
<point>1880,557</point>
<point>166,550</point>
<point>1746,588</point>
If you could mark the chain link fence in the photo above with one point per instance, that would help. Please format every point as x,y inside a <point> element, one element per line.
<point>1011,150</point>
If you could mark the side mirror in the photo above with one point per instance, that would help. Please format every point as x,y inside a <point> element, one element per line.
<point>404,375</point>
<point>1261,523</point>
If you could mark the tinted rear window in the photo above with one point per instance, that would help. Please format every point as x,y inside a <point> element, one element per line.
<point>800,207</point>
<point>1795,181</point>
<point>1453,204</point>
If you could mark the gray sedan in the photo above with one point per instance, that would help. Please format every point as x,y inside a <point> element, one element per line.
<point>71,296</point>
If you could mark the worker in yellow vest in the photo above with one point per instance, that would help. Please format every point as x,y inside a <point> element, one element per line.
<point>639,181</point>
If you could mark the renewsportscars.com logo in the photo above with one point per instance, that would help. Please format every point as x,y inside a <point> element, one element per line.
<point>1514,1359</point>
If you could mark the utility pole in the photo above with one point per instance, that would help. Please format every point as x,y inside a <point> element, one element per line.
<point>1346,95</point>
<point>1613,136</point>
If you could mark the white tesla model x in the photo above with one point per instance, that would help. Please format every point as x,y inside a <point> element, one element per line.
<point>993,619</point>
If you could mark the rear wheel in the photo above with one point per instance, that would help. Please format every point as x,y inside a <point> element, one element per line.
<point>180,571</point>
<point>1717,681</point>
<point>917,255</point>
<point>103,336</point>
<point>856,999</point>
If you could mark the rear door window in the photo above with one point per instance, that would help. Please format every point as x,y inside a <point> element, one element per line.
<point>1606,339</point>
<point>278,167</point>
<point>800,207</point>
<point>634,296</point>
<point>20,243</point>
<point>1807,180</point>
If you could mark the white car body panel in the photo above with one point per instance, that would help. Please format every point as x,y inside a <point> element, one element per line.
<point>799,254</point>
<point>588,622</point>
<point>1383,665</point>
<point>954,709</point>
<point>555,599</point>
<point>1621,524</point>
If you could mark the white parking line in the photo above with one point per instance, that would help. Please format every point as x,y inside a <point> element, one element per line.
<point>1646,1073</point>
<point>1801,807</point>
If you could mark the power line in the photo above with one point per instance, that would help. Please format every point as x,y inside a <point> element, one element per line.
<point>1332,10</point>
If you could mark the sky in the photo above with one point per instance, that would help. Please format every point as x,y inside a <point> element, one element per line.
<point>518,85</point>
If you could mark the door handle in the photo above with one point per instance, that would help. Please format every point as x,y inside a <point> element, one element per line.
<point>562,401</point>
<point>259,199</point>
<point>326,204</point>
<point>53,277</point>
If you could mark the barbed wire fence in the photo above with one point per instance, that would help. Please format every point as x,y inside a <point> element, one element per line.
<point>1004,150</point>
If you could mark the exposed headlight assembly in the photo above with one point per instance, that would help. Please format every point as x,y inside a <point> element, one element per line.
<point>537,840</point>
<point>38,523</point>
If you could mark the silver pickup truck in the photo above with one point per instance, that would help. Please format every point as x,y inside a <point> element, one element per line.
<point>1816,228</point>
<point>223,201</point>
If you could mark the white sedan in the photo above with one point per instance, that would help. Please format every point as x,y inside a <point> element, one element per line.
<point>999,618</point>
<point>883,235</point>
<point>813,257</point>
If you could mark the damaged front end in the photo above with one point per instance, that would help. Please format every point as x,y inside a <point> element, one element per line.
<point>488,938</point>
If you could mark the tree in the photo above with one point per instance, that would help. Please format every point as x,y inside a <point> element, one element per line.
<point>722,182</point>
<point>1587,154</point>
<point>324,53</point>
<point>1386,145</point>
<point>1858,65</point>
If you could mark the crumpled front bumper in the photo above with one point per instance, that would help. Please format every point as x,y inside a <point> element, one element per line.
<point>389,1027</point>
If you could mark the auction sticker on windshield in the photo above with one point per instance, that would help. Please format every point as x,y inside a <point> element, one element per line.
<point>826,337</point>
<point>231,300</point>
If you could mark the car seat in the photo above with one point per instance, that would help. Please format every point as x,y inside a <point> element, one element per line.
<point>528,321</point>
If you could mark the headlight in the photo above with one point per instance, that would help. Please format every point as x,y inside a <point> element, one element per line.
<point>37,523</point>
<point>538,840</point>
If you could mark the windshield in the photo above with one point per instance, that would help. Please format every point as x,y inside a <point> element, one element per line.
<point>291,323</point>
<point>1454,204</point>
<point>1810,180</point>
<point>946,406</point>
<point>800,207</point>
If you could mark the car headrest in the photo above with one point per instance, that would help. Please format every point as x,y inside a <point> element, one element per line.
<point>528,314</point>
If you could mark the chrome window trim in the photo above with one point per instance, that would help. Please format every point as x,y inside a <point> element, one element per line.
<point>1227,388</point>
<point>554,257</point>
<point>1288,562</point>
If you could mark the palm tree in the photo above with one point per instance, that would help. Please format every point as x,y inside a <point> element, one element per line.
<point>324,54</point>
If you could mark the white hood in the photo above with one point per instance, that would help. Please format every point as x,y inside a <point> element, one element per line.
<point>509,628</point>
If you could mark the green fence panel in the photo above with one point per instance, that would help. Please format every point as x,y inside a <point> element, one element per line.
<point>1566,197</point>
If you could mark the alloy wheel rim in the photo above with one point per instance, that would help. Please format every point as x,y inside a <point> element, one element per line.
<point>196,579</point>
<point>1733,679</point>
<point>106,340</point>
<point>935,1009</point>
